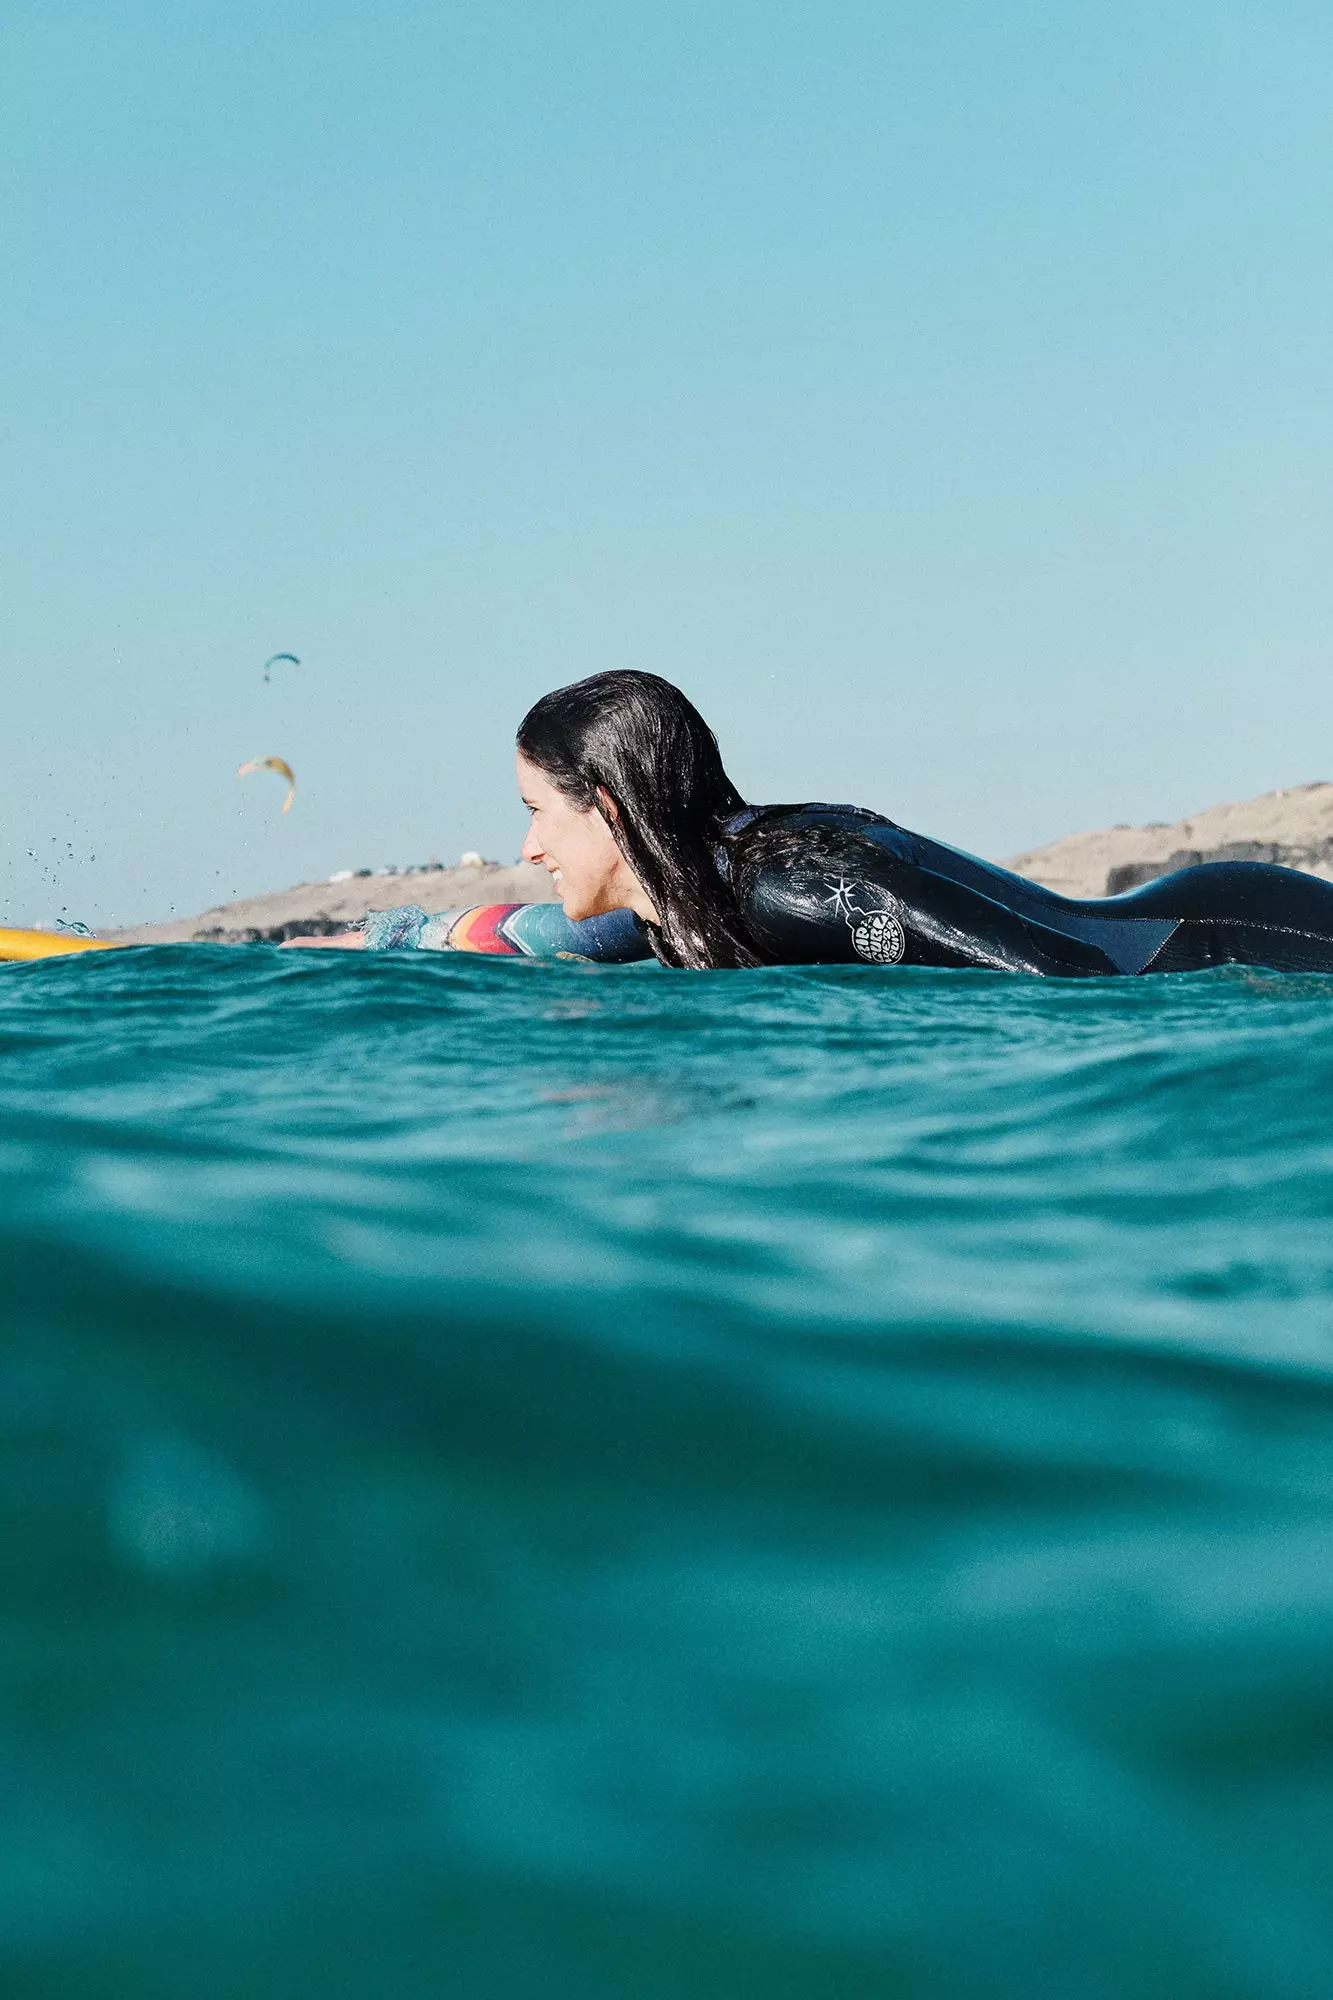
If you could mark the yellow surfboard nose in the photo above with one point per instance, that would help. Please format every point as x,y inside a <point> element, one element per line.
<point>47,944</point>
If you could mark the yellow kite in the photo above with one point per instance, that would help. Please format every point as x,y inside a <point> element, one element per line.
<point>278,764</point>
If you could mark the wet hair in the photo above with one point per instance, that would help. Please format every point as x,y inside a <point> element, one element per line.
<point>638,740</point>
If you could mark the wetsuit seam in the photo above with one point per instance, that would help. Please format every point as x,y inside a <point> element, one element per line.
<point>1253,924</point>
<point>1090,916</point>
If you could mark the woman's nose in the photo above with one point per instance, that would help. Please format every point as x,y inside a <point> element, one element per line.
<point>532,847</point>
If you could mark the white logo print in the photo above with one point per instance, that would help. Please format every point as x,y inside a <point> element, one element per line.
<point>880,938</point>
<point>877,934</point>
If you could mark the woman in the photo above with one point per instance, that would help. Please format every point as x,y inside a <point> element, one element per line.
<point>655,853</point>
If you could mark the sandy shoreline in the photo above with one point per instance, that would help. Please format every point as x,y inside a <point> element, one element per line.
<point>1293,826</point>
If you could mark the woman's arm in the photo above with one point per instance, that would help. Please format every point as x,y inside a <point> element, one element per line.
<point>343,941</point>
<point>505,930</point>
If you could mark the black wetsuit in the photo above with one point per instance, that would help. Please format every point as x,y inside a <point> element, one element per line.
<point>869,890</point>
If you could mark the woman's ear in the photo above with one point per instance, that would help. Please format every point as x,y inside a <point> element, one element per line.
<point>607,806</point>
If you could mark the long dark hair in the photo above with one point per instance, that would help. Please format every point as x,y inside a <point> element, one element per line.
<point>637,739</point>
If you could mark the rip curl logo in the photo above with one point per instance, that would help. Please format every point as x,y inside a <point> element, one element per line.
<point>880,938</point>
<point>877,934</point>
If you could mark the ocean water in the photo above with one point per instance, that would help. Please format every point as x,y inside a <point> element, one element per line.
<point>522,1481</point>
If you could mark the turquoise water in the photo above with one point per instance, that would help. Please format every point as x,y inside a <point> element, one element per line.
<point>536,1480</point>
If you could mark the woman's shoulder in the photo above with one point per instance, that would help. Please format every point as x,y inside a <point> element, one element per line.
<point>754,816</point>
<point>783,830</point>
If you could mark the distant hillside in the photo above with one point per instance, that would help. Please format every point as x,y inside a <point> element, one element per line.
<point>1294,827</point>
<point>320,908</point>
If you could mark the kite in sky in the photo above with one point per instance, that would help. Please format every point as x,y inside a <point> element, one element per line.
<point>273,659</point>
<point>278,764</point>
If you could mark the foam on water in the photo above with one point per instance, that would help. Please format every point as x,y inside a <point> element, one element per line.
<point>528,1479</point>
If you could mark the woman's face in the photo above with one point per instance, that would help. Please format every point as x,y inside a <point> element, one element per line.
<point>577,848</point>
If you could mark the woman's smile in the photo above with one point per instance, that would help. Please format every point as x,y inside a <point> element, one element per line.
<point>591,873</point>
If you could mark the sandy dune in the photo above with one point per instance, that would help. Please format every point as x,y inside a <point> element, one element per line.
<point>1294,827</point>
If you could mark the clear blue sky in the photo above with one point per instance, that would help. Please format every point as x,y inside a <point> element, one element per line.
<point>941,393</point>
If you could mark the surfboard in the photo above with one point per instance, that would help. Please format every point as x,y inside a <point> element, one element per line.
<point>47,944</point>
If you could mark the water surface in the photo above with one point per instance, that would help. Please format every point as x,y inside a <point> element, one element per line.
<point>536,1480</point>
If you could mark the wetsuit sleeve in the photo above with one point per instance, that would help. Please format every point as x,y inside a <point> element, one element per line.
<point>510,930</point>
